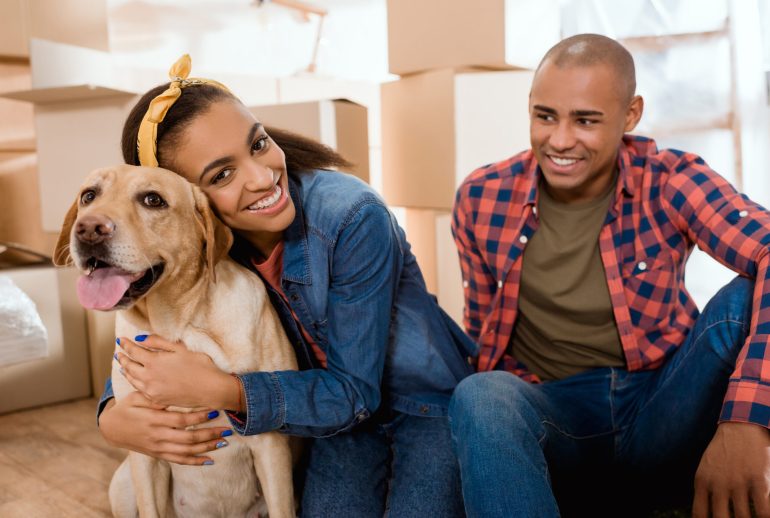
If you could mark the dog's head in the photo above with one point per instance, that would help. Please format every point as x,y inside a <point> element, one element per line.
<point>131,229</point>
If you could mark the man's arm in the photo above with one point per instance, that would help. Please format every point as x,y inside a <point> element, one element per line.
<point>735,468</point>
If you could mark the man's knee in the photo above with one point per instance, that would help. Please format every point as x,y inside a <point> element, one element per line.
<point>734,300</point>
<point>490,397</point>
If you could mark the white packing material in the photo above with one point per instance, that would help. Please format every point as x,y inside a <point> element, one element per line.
<point>23,336</point>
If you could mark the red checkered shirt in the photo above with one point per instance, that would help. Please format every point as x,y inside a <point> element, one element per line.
<point>665,203</point>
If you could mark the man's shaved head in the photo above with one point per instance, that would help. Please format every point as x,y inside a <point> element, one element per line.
<point>585,50</point>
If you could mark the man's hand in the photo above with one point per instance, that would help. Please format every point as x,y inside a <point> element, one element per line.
<point>734,469</point>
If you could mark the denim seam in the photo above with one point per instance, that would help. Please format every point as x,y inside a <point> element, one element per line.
<point>687,355</point>
<point>571,436</point>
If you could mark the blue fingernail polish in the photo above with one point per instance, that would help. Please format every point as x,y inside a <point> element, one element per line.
<point>208,463</point>
<point>140,338</point>
<point>222,444</point>
<point>226,433</point>
<point>213,414</point>
<point>115,356</point>
<point>117,341</point>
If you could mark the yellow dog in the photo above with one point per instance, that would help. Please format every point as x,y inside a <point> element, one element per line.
<point>148,244</point>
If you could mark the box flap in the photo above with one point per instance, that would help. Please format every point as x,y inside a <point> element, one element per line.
<point>65,94</point>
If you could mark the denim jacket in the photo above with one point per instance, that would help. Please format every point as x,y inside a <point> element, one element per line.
<point>352,281</point>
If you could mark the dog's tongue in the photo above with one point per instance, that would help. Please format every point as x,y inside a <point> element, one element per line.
<point>103,288</point>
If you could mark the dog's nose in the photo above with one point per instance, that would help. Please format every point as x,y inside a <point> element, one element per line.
<point>94,229</point>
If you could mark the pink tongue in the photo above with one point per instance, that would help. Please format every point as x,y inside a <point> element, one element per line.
<point>103,288</point>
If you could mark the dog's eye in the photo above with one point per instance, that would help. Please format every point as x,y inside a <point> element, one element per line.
<point>153,200</point>
<point>87,197</point>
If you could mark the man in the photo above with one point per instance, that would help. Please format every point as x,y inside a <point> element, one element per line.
<point>600,385</point>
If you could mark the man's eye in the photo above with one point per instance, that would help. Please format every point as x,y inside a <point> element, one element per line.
<point>154,200</point>
<point>87,197</point>
<point>545,116</point>
<point>586,122</point>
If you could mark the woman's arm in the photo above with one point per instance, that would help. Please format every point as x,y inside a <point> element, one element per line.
<point>365,273</point>
<point>137,424</point>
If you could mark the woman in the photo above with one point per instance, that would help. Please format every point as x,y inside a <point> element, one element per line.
<point>380,358</point>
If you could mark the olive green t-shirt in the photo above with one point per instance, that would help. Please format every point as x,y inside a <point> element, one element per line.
<point>565,323</point>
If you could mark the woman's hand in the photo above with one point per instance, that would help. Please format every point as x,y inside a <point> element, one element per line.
<point>134,423</point>
<point>167,373</point>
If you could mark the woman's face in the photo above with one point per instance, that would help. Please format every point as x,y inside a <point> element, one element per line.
<point>227,153</point>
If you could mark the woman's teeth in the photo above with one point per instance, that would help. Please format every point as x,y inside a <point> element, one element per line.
<point>563,161</point>
<point>269,201</point>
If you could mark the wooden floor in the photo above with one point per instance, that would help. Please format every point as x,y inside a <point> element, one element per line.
<point>53,462</point>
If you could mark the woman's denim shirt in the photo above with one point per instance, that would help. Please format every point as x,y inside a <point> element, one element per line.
<point>351,279</point>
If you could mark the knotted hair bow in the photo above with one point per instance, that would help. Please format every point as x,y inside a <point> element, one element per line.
<point>147,137</point>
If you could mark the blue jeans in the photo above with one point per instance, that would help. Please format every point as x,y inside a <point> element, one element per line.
<point>603,442</point>
<point>400,467</point>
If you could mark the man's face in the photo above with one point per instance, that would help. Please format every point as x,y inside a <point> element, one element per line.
<point>578,115</point>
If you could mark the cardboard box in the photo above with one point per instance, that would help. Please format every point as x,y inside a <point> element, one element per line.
<point>101,347</point>
<point>439,126</point>
<point>20,220</point>
<point>429,233</point>
<point>17,123</point>
<point>311,87</point>
<point>78,129</point>
<point>64,373</point>
<point>339,123</point>
<point>76,22</point>
<point>503,34</point>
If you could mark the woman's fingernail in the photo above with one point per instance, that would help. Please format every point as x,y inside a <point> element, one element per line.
<point>140,338</point>
<point>222,444</point>
<point>115,356</point>
<point>226,433</point>
<point>117,341</point>
<point>208,463</point>
<point>213,414</point>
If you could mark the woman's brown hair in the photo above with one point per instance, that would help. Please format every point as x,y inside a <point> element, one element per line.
<point>302,154</point>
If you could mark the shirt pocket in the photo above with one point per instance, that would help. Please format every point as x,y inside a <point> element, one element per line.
<point>651,289</point>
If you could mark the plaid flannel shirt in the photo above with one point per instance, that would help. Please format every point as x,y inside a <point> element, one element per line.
<point>666,202</point>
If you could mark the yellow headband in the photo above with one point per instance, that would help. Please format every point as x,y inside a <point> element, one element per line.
<point>147,137</point>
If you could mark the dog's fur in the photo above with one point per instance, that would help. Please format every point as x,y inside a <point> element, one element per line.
<point>201,298</point>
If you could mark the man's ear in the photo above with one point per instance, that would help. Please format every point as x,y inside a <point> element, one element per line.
<point>217,237</point>
<point>61,254</point>
<point>634,113</point>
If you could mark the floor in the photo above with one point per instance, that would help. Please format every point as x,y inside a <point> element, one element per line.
<point>54,462</point>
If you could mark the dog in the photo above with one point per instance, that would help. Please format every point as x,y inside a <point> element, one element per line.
<point>148,244</point>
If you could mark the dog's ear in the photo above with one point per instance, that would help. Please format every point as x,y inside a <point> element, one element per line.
<point>61,254</point>
<point>218,238</point>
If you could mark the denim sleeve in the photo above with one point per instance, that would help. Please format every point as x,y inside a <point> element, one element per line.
<point>365,271</point>
<point>106,396</point>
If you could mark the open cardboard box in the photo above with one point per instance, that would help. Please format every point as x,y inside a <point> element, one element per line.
<point>64,373</point>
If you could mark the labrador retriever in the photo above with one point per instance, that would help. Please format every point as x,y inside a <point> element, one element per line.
<point>148,244</point>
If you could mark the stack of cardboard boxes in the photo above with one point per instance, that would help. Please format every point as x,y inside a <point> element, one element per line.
<point>33,178</point>
<point>62,107</point>
<point>461,103</point>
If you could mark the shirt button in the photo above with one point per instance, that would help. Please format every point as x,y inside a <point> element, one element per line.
<point>499,284</point>
<point>465,284</point>
<point>534,211</point>
<point>743,213</point>
<point>523,238</point>
<point>642,266</point>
